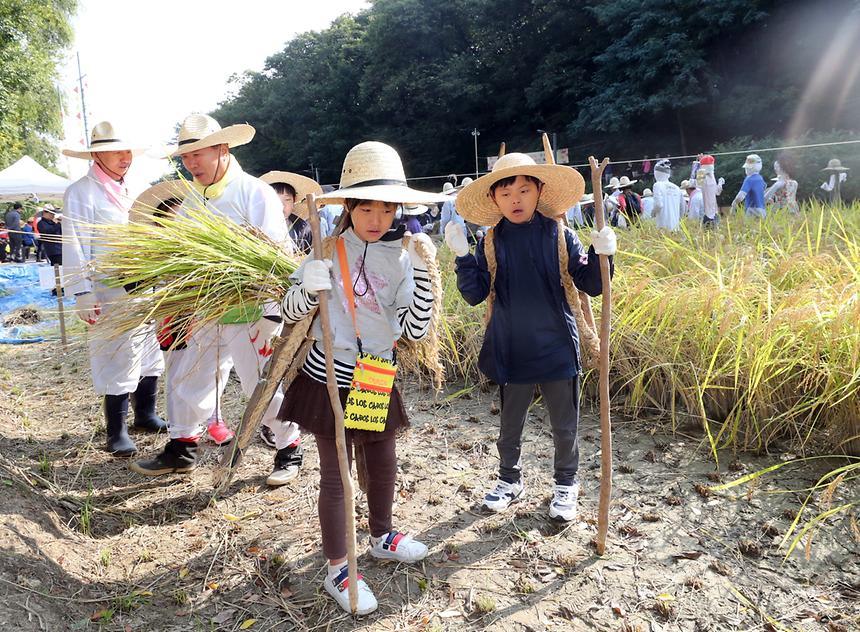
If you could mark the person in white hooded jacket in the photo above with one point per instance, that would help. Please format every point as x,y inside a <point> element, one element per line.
<point>125,367</point>
<point>668,198</point>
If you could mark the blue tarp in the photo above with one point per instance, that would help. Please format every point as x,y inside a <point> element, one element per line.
<point>19,287</point>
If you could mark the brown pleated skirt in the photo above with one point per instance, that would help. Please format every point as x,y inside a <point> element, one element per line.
<point>307,403</point>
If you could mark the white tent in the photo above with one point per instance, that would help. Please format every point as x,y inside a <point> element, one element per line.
<point>26,178</point>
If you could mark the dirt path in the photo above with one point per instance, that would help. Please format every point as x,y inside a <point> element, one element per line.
<point>86,544</point>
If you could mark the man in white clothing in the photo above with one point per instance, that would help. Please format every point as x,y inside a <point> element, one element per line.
<point>124,366</point>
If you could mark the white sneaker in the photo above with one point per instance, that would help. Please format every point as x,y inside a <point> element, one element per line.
<point>338,587</point>
<point>563,503</point>
<point>502,495</point>
<point>396,546</point>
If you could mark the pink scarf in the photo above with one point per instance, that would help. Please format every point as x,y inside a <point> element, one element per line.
<point>115,191</point>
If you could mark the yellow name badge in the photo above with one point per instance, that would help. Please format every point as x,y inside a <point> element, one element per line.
<point>368,399</point>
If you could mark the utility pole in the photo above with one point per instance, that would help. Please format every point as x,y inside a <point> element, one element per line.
<point>475,134</point>
<point>83,101</point>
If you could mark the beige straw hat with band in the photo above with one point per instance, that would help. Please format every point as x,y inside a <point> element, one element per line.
<point>374,171</point>
<point>105,138</point>
<point>147,202</point>
<point>200,130</point>
<point>562,188</point>
<point>301,184</point>
<point>834,164</point>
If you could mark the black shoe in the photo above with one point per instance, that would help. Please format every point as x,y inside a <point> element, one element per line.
<point>143,403</point>
<point>178,456</point>
<point>287,464</point>
<point>116,413</point>
<point>267,436</point>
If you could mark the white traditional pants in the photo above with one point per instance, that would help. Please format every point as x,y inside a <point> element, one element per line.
<point>197,374</point>
<point>118,362</point>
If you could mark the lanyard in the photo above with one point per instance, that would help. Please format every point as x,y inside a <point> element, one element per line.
<point>346,280</point>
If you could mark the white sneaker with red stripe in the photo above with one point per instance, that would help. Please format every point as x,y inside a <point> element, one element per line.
<point>397,546</point>
<point>337,585</point>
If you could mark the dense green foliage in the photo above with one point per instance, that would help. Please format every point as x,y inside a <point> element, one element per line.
<point>619,77</point>
<point>33,35</point>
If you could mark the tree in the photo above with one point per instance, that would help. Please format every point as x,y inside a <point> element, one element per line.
<point>33,35</point>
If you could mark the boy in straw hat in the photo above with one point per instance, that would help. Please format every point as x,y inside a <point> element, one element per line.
<point>527,266</point>
<point>292,189</point>
<point>390,289</point>
<point>127,364</point>
<point>199,363</point>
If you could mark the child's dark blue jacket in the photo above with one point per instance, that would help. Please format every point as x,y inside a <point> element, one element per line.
<point>532,335</point>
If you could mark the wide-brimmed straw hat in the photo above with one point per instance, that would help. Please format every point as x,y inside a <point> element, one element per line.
<point>105,138</point>
<point>415,209</point>
<point>464,183</point>
<point>562,187</point>
<point>302,185</point>
<point>447,188</point>
<point>374,171</point>
<point>834,164</point>
<point>587,198</point>
<point>647,193</point>
<point>613,183</point>
<point>147,202</point>
<point>200,130</point>
<point>625,182</point>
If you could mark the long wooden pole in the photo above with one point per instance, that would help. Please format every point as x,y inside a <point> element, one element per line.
<point>58,285</point>
<point>337,410</point>
<point>603,384</point>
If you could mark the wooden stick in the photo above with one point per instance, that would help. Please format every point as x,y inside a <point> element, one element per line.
<point>603,385</point>
<point>337,410</point>
<point>58,284</point>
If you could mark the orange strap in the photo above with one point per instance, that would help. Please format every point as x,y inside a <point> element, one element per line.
<point>346,279</point>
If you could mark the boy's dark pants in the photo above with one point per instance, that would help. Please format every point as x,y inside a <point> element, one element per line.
<point>561,399</point>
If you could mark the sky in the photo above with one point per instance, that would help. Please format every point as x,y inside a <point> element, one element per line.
<point>147,65</point>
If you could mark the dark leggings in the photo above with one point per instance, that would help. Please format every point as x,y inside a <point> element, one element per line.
<point>381,460</point>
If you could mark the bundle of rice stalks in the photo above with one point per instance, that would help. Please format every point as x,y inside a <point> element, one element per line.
<point>192,269</point>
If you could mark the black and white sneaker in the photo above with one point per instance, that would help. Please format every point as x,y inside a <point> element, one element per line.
<point>288,461</point>
<point>267,436</point>
<point>502,495</point>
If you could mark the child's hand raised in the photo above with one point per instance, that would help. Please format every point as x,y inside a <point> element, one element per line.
<point>455,237</point>
<point>316,276</point>
<point>417,260</point>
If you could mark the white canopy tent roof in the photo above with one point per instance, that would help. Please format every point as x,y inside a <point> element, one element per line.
<point>26,178</point>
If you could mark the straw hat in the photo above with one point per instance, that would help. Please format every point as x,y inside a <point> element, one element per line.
<point>464,183</point>
<point>835,165</point>
<point>647,193</point>
<point>625,182</point>
<point>374,171</point>
<point>562,187</point>
<point>105,138</point>
<point>200,130</point>
<point>588,198</point>
<point>685,184</point>
<point>415,209</point>
<point>447,188</point>
<point>613,183</point>
<point>301,184</point>
<point>147,202</point>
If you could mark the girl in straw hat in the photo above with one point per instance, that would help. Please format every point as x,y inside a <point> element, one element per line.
<point>390,290</point>
<point>128,364</point>
<point>526,267</point>
<point>199,364</point>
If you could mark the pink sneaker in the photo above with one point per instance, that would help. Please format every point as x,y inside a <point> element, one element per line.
<point>219,431</point>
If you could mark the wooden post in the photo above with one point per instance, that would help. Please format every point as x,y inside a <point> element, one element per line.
<point>58,285</point>
<point>603,385</point>
<point>337,410</point>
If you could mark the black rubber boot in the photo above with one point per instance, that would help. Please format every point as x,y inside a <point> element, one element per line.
<point>116,413</point>
<point>143,403</point>
<point>177,456</point>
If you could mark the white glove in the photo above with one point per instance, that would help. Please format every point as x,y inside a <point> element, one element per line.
<point>417,260</point>
<point>721,182</point>
<point>604,241</point>
<point>317,276</point>
<point>88,308</point>
<point>455,237</point>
